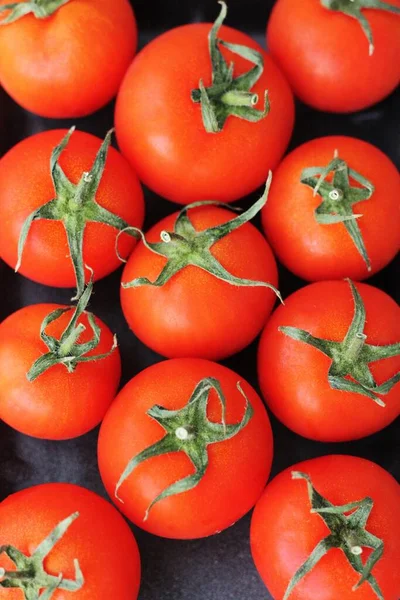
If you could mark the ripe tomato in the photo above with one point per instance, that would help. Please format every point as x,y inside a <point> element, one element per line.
<point>315,250</point>
<point>26,185</point>
<point>161,132</point>
<point>56,67</point>
<point>293,374</point>
<point>58,404</point>
<point>95,551</point>
<point>195,313</point>
<point>235,470</point>
<point>325,53</point>
<point>284,532</point>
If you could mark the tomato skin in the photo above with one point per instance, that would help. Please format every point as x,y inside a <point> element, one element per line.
<point>56,68</point>
<point>25,184</point>
<point>293,376</point>
<point>237,471</point>
<point>176,319</point>
<point>57,405</point>
<point>314,251</point>
<point>99,538</point>
<point>160,130</point>
<point>284,533</point>
<point>324,54</point>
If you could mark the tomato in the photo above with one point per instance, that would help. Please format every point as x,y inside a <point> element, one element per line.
<point>26,185</point>
<point>284,532</point>
<point>293,374</point>
<point>316,250</point>
<point>57,404</point>
<point>234,470</point>
<point>325,54</point>
<point>161,132</point>
<point>195,313</point>
<point>95,552</point>
<point>56,67</point>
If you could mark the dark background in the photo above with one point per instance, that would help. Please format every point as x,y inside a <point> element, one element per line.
<point>221,566</point>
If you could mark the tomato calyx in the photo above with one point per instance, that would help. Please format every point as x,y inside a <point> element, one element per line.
<point>190,431</point>
<point>67,350</point>
<point>352,356</point>
<point>354,8</point>
<point>185,246</point>
<point>30,575</point>
<point>41,9</point>
<point>229,95</point>
<point>348,533</point>
<point>339,197</point>
<point>74,205</point>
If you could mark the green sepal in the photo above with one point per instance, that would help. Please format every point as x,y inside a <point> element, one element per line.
<point>30,575</point>
<point>228,95</point>
<point>351,357</point>
<point>185,246</point>
<point>347,533</point>
<point>41,9</point>
<point>339,197</point>
<point>190,431</point>
<point>67,350</point>
<point>354,8</point>
<point>74,205</point>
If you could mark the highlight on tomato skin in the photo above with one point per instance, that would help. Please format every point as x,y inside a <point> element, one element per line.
<point>160,123</point>
<point>217,472</point>
<point>333,210</point>
<point>55,66</point>
<point>75,543</point>
<point>329,361</point>
<point>326,55</point>
<point>286,530</point>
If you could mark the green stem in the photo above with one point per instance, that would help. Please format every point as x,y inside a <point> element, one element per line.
<point>41,9</point>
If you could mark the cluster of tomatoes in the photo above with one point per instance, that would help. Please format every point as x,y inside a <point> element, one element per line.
<point>185,448</point>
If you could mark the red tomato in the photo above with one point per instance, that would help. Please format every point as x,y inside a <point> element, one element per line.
<point>58,404</point>
<point>284,532</point>
<point>194,313</point>
<point>317,251</point>
<point>161,132</point>
<point>325,54</point>
<point>71,63</point>
<point>238,468</point>
<point>99,539</point>
<point>294,375</point>
<point>25,185</point>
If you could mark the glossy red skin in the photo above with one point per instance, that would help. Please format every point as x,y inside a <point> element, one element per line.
<point>99,538</point>
<point>195,314</point>
<point>284,533</point>
<point>238,468</point>
<point>314,251</point>
<point>325,54</point>
<point>57,405</point>
<point>294,376</point>
<point>161,132</point>
<point>56,68</point>
<point>25,184</point>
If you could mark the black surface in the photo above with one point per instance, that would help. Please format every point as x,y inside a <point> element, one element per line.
<point>218,567</point>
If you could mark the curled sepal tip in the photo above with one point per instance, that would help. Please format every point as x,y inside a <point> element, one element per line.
<point>186,246</point>
<point>190,431</point>
<point>351,357</point>
<point>354,8</point>
<point>30,575</point>
<point>67,350</point>
<point>74,205</point>
<point>347,533</point>
<point>228,95</point>
<point>339,197</point>
<point>41,9</point>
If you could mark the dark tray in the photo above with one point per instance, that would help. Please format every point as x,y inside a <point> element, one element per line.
<point>221,566</point>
